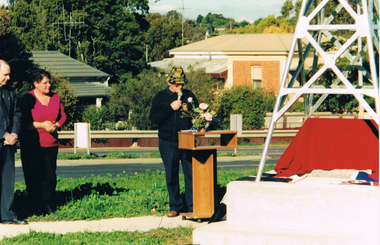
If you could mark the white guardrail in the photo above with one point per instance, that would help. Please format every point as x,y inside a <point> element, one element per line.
<point>154,134</point>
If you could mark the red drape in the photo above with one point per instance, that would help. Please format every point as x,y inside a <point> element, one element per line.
<point>329,144</point>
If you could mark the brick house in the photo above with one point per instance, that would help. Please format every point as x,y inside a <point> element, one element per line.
<point>239,59</point>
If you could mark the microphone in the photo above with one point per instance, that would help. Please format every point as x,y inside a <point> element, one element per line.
<point>179,95</point>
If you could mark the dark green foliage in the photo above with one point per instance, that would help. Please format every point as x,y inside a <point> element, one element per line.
<point>107,34</point>
<point>135,94</point>
<point>217,20</point>
<point>199,19</point>
<point>12,50</point>
<point>340,103</point>
<point>98,117</point>
<point>246,101</point>
<point>203,86</point>
<point>164,33</point>
<point>61,86</point>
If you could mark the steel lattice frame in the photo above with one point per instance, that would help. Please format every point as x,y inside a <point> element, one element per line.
<point>312,26</point>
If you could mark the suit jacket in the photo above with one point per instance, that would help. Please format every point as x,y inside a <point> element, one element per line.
<point>10,120</point>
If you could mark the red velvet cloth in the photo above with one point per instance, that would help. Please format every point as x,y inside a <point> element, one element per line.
<point>324,143</point>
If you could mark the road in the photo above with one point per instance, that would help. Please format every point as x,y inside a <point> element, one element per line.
<point>127,168</point>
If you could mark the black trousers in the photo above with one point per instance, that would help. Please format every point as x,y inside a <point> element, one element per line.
<point>7,182</point>
<point>171,156</point>
<point>39,165</point>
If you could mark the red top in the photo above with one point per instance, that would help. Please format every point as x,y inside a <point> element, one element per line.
<point>52,112</point>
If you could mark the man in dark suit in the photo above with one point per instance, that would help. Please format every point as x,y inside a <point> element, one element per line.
<point>9,128</point>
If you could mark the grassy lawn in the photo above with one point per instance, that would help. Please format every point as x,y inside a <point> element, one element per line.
<point>180,235</point>
<point>105,197</point>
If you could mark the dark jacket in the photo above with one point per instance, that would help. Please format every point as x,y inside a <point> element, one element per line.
<point>10,118</point>
<point>169,121</point>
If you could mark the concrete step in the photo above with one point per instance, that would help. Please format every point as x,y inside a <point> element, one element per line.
<point>221,233</point>
<point>315,207</point>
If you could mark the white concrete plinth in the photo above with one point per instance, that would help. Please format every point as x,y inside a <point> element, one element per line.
<point>313,211</point>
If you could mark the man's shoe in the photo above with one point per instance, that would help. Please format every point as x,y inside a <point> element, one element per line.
<point>172,214</point>
<point>14,222</point>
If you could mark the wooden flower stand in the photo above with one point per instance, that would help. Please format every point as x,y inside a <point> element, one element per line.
<point>204,169</point>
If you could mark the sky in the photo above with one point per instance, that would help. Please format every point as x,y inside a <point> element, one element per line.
<point>239,10</point>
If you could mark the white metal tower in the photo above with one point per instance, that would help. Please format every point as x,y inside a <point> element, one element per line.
<point>318,20</point>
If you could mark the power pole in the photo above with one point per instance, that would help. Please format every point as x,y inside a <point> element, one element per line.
<point>70,23</point>
<point>182,21</point>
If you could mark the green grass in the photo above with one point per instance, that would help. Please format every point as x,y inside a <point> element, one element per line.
<point>110,197</point>
<point>179,235</point>
<point>97,198</point>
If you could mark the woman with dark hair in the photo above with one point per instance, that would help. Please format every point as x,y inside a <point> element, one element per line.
<point>42,115</point>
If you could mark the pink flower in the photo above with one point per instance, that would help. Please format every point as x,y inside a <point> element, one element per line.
<point>203,106</point>
<point>190,99</point>
<point>208,117</point>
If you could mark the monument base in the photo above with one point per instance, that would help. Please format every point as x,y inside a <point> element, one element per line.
<point>315,210</point>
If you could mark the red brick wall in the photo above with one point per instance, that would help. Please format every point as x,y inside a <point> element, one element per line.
<point>271,76</point>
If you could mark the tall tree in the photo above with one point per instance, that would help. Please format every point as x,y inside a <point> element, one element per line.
<point>135,94</point>
<point>199,19</point>
<point>287,9</point>
<point>13,51</point>
<point>163,35</point>
<point>107,34</point>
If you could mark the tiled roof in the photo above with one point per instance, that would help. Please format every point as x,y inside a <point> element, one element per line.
<point>89,89</point>
<point>216,66</point>
<point>63,64</point>
<point>279,42</point>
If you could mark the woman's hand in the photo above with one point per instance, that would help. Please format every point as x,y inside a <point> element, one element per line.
<point>49,126</point>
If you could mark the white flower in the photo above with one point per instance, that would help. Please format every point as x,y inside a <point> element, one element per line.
<point>190,99</point>
<point>203,106</point>
<point>208,117</point>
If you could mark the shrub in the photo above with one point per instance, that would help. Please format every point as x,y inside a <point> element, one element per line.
<point>244,100</point>
<point>98,117</point>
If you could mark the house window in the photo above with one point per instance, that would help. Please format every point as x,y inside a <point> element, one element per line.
<point>256,76</point>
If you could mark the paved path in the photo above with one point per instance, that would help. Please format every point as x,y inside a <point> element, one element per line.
<point>145,223</point>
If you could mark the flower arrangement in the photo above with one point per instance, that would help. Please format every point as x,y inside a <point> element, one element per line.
<point>201,116</point>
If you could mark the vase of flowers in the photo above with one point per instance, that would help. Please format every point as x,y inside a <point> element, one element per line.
<point>201,116</point>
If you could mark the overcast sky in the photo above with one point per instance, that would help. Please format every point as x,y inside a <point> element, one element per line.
<point>249,10</point>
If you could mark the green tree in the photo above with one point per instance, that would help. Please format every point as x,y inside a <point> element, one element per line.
<point>287,9</point>
<point>199,19</point>
<point>268,25</point>
<point>13,51</point>
<point>162,35</point>
<point>202,85</point>
<point>244,100</point>
<point>135,95</point>
<point>197,34</point>
<point>243,23</point>
<point>98,117</point>
<point>173,16</point>
<point>61,86</point>
<point>106,34</point>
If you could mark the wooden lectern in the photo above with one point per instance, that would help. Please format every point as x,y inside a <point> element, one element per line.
<point>204,169</point>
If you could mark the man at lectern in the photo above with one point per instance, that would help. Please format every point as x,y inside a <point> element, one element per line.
<point>166,113</point>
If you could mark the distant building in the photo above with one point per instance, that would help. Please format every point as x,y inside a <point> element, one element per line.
<point>257,60</point>
<point>89,84</point>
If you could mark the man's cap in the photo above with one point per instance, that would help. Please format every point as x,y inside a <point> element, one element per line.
<point>176,76</point>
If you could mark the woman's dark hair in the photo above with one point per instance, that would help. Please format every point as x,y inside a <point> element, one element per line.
<point>39,74</point>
